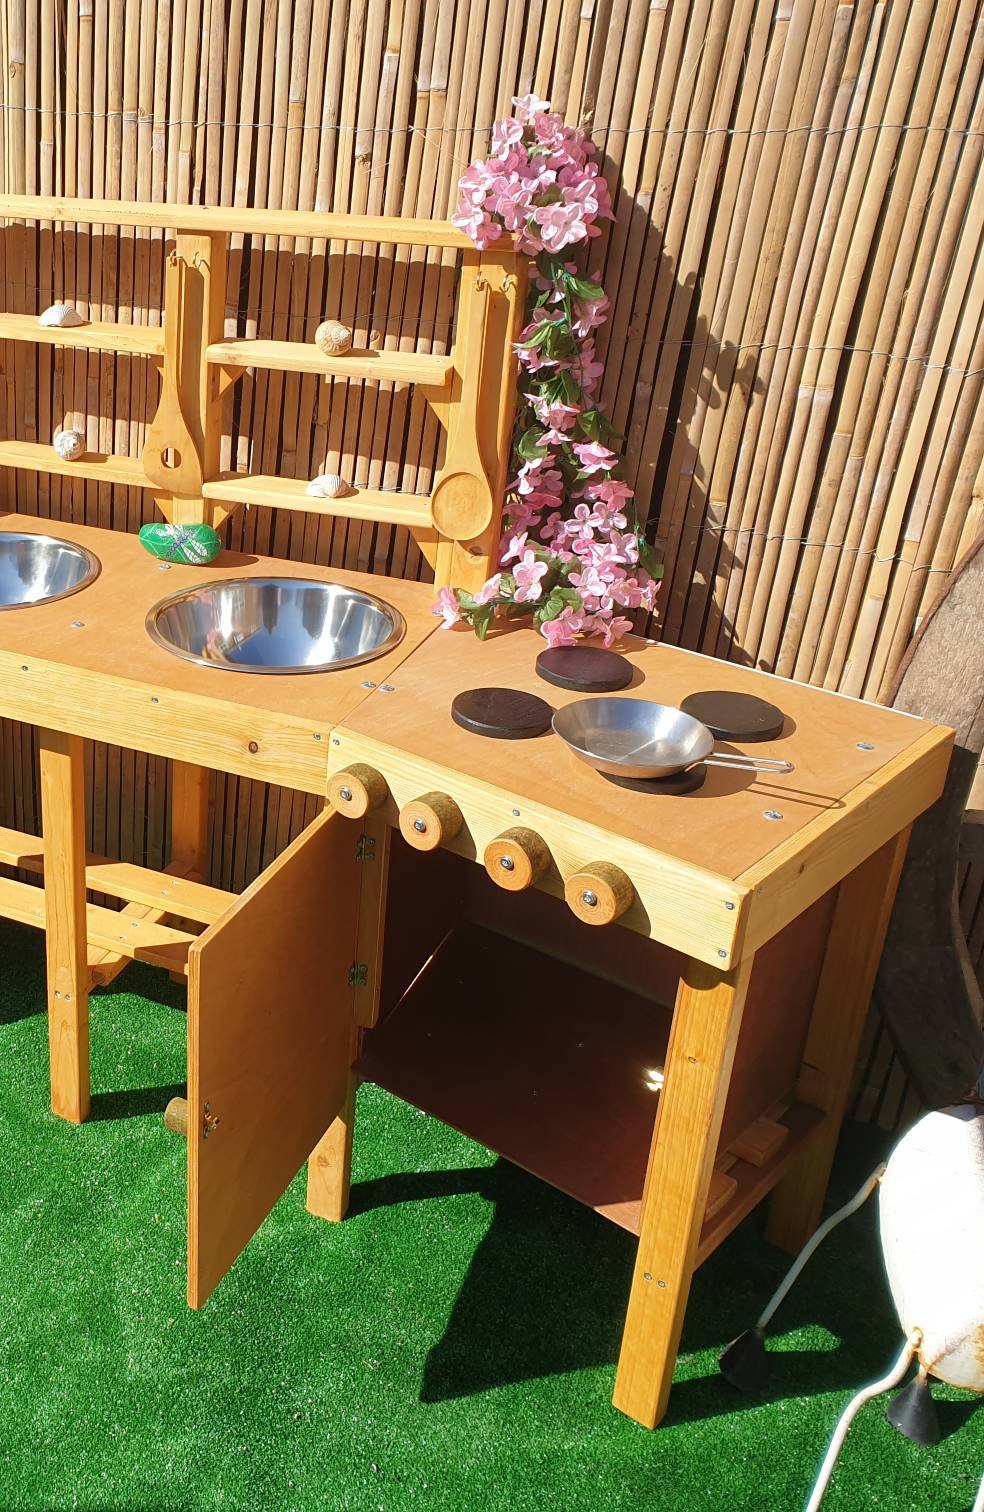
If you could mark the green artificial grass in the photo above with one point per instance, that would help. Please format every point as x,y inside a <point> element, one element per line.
<point>451,1345</point>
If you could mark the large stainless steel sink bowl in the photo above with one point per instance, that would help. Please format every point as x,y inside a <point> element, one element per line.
<point>34,569</point>
<point>275,625</point>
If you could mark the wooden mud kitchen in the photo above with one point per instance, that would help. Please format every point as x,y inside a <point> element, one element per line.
<point>436,927</point>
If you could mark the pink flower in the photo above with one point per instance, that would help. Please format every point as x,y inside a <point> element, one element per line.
<point>591,313</point>
<point>563,631</point>
<point>506,133</point>
<point>514,548</point>
<point>489,590</point>
<point>527,574</point>
<point>594,457</point>
<point>446,605</point>
<point>528,106</point>
<point>560,225</point>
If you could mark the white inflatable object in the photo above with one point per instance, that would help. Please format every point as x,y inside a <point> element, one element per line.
<point>931,1210</point>
<point>61,315</point>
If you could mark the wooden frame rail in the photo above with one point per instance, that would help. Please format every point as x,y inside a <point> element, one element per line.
<point>471,389</point>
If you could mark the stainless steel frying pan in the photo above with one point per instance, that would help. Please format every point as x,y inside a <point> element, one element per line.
<point>631,737</point>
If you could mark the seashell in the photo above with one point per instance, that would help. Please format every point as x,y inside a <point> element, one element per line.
<point>333,338</point>
<point>329,486</point>
<point>61,315</point>
<point>69,445</point>
<point>196,545</point>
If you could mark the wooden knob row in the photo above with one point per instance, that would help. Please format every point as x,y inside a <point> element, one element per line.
<point>598,893</point>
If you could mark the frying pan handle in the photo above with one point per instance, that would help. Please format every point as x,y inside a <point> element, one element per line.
<point>749,763</point>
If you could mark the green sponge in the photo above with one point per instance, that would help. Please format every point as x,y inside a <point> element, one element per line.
<point>194,544</point>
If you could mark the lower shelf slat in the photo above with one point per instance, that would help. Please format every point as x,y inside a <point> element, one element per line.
<point>139,939</point>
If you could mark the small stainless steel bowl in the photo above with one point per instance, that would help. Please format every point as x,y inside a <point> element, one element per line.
<point>36,569</point>
<point>275,625</point>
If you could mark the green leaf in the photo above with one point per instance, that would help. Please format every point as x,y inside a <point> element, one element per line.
<point>482,619</point>
<point>583,288</point>
<point>529,445</point>
<point>550,267</point>
<point>589,424</point>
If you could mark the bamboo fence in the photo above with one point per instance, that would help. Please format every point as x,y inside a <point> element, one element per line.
<point>795,352</point>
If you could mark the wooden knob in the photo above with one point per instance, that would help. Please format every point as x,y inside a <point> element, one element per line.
<point>430,821</point>
<point>516,859</point>
<point>599,893</point>
<point>356,789</point>
<point>176,1116</point>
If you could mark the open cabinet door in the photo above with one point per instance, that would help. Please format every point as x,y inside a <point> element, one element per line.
<point>270,1041</point>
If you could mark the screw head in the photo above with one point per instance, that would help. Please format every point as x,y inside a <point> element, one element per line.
<point>507,863</point>
<point>723,954</point>
<point>317,737</point>
<point>420,825</point>
<point>78,624</point>
<point>730,906</point>
<point>164,567</point>
<point>865,745</point>
<point>345,794</point>
<point>368,683</point>
<point>589,898</point>
<point>386,688</point>
<point>515,813</point>
<point>771,814</point>
<point>253,747</point>
<point>336,741</point>
<point>154,698</point>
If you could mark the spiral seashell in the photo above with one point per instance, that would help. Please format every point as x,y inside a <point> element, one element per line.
<point>328,486</point>
<point>333,338</point>
<point>61,315</point>
<point>69,445</point>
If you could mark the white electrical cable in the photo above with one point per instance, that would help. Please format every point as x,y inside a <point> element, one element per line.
<point>858,1200</point>
<point>851,1411</point>
<point>979,1498</point>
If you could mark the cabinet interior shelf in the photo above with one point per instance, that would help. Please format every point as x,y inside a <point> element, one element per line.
<point>551,1068</point>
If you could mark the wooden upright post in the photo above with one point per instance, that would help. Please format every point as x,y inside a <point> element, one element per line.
<point>703,1039</point>
<point>854,947</point>
<point>63,824</point>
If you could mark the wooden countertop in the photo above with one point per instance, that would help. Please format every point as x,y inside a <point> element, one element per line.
<point>203,714</point>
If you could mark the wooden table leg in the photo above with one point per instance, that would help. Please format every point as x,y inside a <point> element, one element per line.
<point>854,947</point>
<point>63,826</point>
<point>191,800</point>
<point>706,1022</point>
<point>330,1164</point>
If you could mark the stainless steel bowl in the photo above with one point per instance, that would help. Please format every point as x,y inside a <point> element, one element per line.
<point>275,625</point>
<point>631,737</point>
<point>35,569</point>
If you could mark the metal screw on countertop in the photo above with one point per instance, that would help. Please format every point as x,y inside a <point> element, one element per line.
<point>865,745</point>
<point>78,624</point>
<point>420,825</point>
<point>730,906</point>
<point>317,737</point>
<point>154,698</point>
<point>386,688</point>
<point>368,684</point>
<point>589,899</point>
<point>515,813</point>
<point>723,954</point>
<point>771,814</point>
<point>336,741</point>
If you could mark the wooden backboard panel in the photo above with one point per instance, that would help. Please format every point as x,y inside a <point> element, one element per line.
<point>269,1041</point>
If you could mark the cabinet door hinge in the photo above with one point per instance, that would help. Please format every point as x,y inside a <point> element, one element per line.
<point>365,849</point>
<point>358,974</point>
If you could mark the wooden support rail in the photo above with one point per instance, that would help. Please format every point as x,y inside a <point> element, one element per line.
<point>137,939</point>
<point>181,896</point>
<point>431,368</point>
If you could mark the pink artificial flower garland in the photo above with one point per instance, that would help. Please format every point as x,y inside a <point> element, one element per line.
<point>573,553</point>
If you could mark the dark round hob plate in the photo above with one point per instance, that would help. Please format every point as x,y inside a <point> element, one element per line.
<point>735,716</point>
<point>501,713</point>
<point>677,786</point>
<point>584,669</point>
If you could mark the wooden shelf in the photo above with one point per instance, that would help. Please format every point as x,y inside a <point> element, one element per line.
<point>428,368</point>
<point>413,510</point>
<point>95,335</point>
<point>104,469</point>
